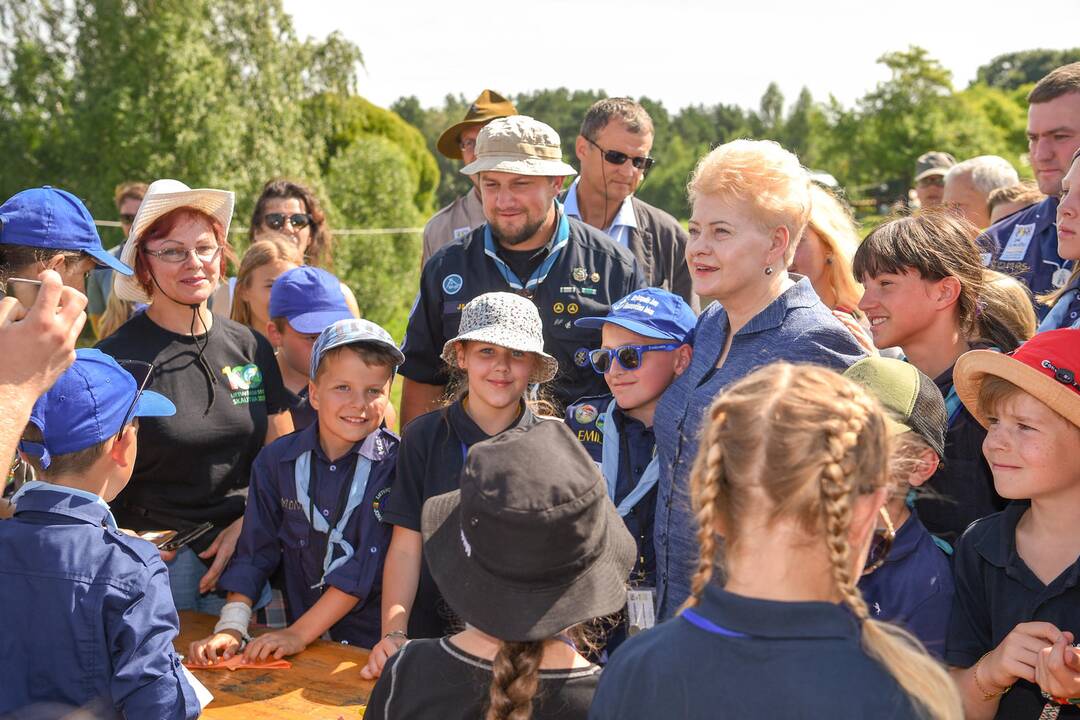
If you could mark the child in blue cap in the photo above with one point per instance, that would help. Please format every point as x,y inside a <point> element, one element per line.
<point>88,616</point>
<point>314,508</point>
<point>646,345</point>
<point>304,301</point>
<point>50,229</point>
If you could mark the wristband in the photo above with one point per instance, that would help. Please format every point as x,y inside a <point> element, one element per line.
<point>396,634</point>
<point>236,616</point>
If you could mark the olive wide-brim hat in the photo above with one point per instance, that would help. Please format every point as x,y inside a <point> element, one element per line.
<point>530,545</point>
<point>520,145</point>
<point>489,106</point>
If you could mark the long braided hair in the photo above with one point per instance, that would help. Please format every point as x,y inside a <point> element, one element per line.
<point>805,443</point>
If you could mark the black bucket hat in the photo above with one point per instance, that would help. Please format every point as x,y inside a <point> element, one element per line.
<point>531,544</point>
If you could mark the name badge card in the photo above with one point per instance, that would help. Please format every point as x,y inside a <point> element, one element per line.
<point>640,604</point>
<point>1016,249</point>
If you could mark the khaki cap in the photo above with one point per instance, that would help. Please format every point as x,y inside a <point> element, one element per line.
<point>521,145</point>
<point>933,163</point>
<point>487,107</point>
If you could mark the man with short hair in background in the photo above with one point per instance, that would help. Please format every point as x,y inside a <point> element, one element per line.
<point>930,171</point>
<point>613,148</point>
<point>968,186</point>
<point>128,197</point>
<point>458,142</point>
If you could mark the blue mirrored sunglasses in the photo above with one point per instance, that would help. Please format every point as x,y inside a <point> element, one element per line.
<point>629,356</point>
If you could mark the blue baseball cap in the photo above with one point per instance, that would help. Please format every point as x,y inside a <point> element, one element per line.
<point>88,404</point>
<point>349,332</point>
<point>651,312</point>
<point>54,219</point>
<point>309,298</point>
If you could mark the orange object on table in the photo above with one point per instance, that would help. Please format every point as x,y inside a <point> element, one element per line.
<point>324,681</point>
<point>237,662</point>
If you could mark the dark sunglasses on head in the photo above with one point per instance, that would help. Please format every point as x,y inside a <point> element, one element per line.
<point>276,221</point>
<point>629,356</point>
<point>618,158</point>
<point>142,372</point>
<point>881,544</point>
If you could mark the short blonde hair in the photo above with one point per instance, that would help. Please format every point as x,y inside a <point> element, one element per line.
<point>763,174</point>
<point>835,225</point>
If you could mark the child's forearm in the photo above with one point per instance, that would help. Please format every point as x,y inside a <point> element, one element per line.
<point>401,577</point>
<point>976,707</point>
<point>331,607</point>
<point>239,597</point>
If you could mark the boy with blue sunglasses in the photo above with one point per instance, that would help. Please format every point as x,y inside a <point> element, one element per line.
<point>646,345</point>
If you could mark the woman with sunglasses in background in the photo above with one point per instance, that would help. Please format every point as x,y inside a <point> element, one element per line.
<point>193,467</point>
<point>750,203</point>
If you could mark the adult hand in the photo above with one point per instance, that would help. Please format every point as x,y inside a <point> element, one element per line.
<point>275,644</point>
<point>219,646</point>
<point>855,328</point>
<point>1016,657</point>
<point>1057,671</point>
<point>221,550</point>
<point>383,651</point>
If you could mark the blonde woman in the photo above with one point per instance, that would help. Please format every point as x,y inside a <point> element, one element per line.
<point>824,253</point>
<point>263,262</point>
<point>793,472</point>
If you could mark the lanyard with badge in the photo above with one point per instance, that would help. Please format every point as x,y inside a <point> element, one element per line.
<point>562,236</point>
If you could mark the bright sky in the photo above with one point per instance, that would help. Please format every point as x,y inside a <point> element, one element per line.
<point>679,51</point>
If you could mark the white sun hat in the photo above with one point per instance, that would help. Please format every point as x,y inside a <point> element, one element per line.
<point>164,196</point>
<point>507,320</point>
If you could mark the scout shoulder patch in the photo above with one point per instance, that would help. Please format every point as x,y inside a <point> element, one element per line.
<point>452,284</point>
<point>586,414</point>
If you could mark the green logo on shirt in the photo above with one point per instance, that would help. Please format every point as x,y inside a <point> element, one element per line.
<point>246,383</point>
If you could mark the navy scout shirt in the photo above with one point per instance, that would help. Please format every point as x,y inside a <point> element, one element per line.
<point>278,530</point>
<point>995,592</point>
<point>637,446</point>
<point>587,273</point>
<point>85,613</point>
<point>433,449</point>
<point>1026,248</point>
<point>743,657</point>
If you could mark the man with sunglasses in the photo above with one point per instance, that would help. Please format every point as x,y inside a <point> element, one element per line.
<point>459,218</point>
<point>646,345</point>
<point>127,197</point>
<point>613,149</point>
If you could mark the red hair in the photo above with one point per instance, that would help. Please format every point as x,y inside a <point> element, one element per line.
<point>164,226</point>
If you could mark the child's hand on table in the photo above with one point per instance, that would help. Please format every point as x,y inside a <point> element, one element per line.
<point>274,645</point>
<point>219,646</point>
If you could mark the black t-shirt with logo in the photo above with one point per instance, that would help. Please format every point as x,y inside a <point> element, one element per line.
<point>194,466</point>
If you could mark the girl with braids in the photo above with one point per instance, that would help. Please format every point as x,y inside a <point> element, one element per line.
<point>927,292</point>
<point>792,472</point>
<point>525,552</point>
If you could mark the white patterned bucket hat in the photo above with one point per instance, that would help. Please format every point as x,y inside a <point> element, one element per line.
<point>507,320</point>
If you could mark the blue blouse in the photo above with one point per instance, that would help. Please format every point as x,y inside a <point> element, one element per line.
<point>797,328</point>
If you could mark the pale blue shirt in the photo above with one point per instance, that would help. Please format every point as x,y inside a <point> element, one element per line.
<point>621,225</point>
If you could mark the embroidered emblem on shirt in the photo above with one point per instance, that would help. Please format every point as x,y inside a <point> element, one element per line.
<point>452,284</point>
<point>557,308</point>
<point>461,232</point>
<point>377,501</point>
<point>572,308</point>
<point>586,414</point>
<point>579,274</point>
<point>245,382</point>
<point>581,357</point>
<point>595,277</point>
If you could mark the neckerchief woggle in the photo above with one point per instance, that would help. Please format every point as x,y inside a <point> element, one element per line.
<point>110,521</point>
<point>610,466</point>
<point>562,236</point>
<point>337,533</point>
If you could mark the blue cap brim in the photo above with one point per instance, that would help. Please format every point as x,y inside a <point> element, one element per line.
<point>152,404</point>
<point>631,325</point>
<point>314,323</point>
<point>104,257</point>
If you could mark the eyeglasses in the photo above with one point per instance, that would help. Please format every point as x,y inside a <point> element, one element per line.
<point>178,255</point>
<point>881,544</point>
<point>142,372</point>
<point>466,144</point>
<point>127,218</point>
<point>618,158</point>
<point>629,356</point>
<point>276,221</point>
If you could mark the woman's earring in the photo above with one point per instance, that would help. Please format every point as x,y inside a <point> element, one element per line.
<point>828,260</point>
<point>768,271</point>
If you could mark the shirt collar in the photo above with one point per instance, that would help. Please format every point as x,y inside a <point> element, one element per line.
<point>774,619</point>
<point>625,217</point>
<point>625,422</point>
<point>374,447</point>
<point>61,500</point>
<point>469,432</point>
<point>998,549</point>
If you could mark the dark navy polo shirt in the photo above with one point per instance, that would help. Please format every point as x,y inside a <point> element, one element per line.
<point>914,588</point>
<point>791,660</point>
<point>1036,227</point>
<point>277,530</point>
<point>85,614</point>
<point>590,274</point>
<point>585,418</point>
<point>995,592</point>
<point>433,449</point>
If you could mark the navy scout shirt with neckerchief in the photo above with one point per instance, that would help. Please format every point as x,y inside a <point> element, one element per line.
<point>580,273</point>
<point>278,529</point>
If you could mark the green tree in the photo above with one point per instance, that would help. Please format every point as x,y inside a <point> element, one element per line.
<point>1012,70</point>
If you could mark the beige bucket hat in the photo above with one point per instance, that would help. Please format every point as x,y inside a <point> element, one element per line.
<point>507,320</point>
<point>521,145</point>
<point>164,196</point>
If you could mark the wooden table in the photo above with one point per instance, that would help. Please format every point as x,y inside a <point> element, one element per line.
<point>324,681</point>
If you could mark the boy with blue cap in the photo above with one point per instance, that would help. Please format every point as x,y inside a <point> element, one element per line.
<point>314,507</point>
<point>50,229</point>
<point>646,345</point>
<point>88,616</point>
<point>304,301</point>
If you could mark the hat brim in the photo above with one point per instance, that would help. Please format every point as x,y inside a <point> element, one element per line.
<point>518,165</point>
<point>511,611</point>
<point>931,172</point>
<point>106,259</point>
<point>973,368</point>
<point>549,366</point>
<point>398,356</point>
<point>152,404</point>
<point>315,322</point>
<point>632,325</point>
<point>448,141</point>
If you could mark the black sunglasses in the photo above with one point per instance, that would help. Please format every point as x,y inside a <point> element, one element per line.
<point>142,372</point>
<point>618,158</point>
<point>629,356</point>
<point>881,544</point>
<point>276,221</point>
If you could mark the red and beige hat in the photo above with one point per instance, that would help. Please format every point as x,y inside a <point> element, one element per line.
<point>1047,367</point>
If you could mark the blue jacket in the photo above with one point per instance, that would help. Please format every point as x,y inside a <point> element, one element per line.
<point>277,530</point>
<point>86,614</point>
<point>1034,257</point>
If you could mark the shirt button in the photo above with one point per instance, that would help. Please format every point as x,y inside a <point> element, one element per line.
<point>373,550</point>
<point>333,468</point>
<point>326,513</point>
<point>303,542</point>
<point>1072,316</point>
<point>638,469</point>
